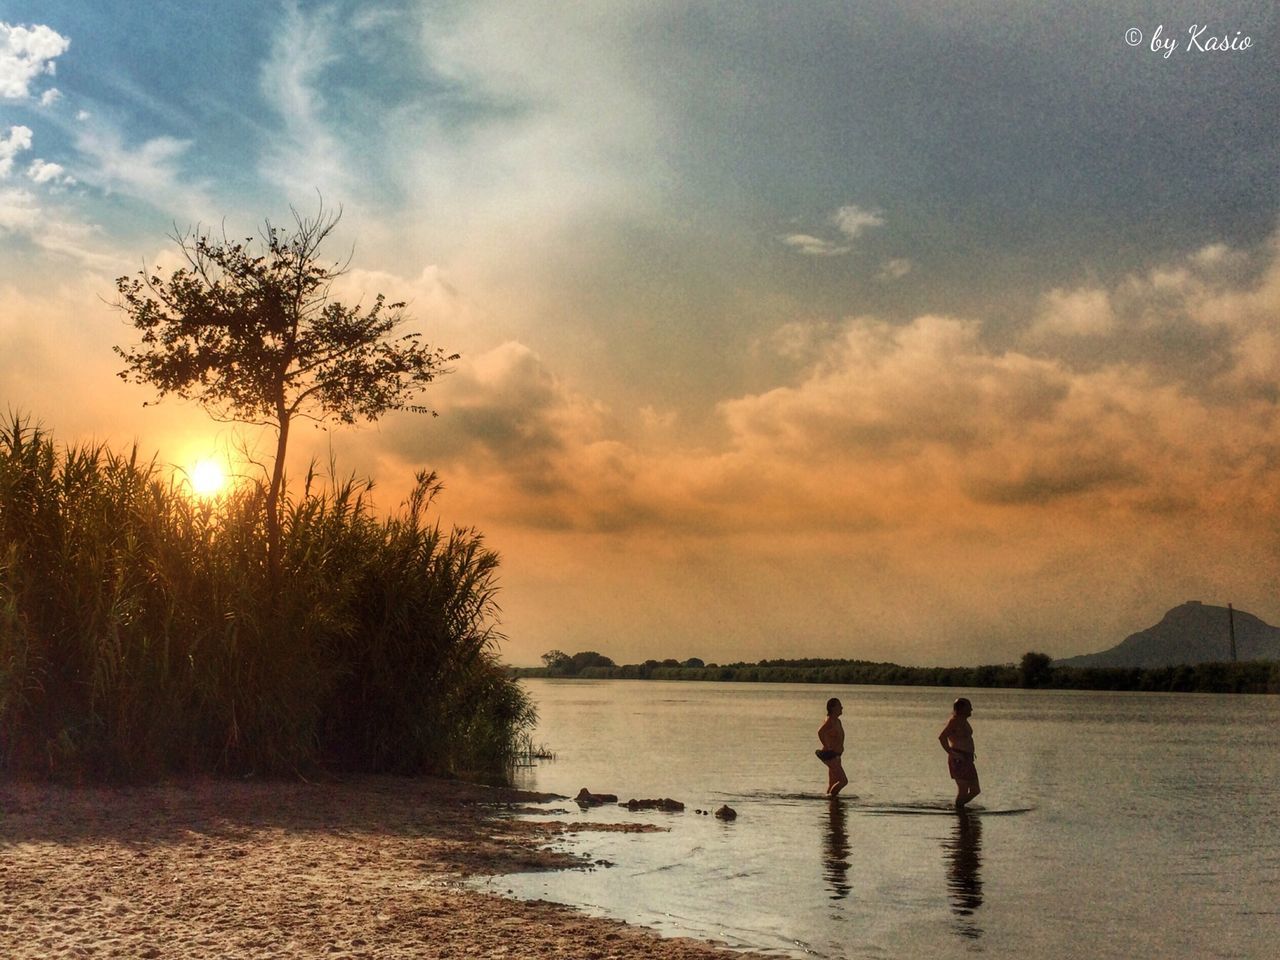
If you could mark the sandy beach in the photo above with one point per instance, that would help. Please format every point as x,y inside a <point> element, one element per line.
<point>367,867</point>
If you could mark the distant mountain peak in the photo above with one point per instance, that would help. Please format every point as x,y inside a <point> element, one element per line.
<point>1192,632</point>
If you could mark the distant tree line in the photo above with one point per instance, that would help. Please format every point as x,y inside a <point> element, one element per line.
<point>1034,671</point>
<point>590,665</point>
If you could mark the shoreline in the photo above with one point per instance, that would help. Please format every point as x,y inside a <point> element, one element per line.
<point>367,867</point>
<point>1246,678</point>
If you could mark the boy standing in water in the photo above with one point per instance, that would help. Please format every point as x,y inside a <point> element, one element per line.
<point>831,736</point>
<point>957,739</point>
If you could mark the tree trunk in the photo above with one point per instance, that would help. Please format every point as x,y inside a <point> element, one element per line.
<point>273,496</point>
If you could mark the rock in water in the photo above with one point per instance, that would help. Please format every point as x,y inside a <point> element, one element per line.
<point>586,798</point>
<point>726,813</point>
<point>665,804</point>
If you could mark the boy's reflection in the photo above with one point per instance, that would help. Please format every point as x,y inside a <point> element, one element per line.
<point>963,854</point>
<point>835,863</point>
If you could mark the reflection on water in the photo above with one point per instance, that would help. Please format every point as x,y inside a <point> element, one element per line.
<point>835,861</point>
<point>963,854</point>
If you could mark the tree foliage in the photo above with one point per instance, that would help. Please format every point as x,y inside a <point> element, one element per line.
<point>590,658</point>
<point>560,664</point>
<point>556,660</point>
<point>1035,669</point>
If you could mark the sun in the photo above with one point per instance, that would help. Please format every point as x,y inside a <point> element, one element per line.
<point>207,477</point>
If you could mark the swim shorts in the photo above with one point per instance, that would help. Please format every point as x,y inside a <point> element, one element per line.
<point>961,767</point>
<point>825,755</point>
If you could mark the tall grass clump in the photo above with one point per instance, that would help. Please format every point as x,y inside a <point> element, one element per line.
<point>143,633</point>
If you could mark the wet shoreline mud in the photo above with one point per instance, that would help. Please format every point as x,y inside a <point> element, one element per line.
<point>366,867</point>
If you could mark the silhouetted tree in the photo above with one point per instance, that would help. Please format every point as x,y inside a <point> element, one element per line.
<point>557,661</point>
<point>1035,670</point>
<point>254,337</point>
<point>589,658</point>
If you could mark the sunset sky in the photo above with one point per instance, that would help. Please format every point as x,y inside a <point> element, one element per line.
<point>924,332</point>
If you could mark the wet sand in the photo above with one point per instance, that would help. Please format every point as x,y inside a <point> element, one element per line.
<point>370,867</point>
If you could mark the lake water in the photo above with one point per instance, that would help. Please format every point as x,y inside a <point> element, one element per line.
<point>1154,828</point>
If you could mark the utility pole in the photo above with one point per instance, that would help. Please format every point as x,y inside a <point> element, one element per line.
<point>1231,626</point>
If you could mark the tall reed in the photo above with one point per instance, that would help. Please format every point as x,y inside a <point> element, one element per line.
<point>141,632</point>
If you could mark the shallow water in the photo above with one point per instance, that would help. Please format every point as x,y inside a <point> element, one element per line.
<point>1139,825</point>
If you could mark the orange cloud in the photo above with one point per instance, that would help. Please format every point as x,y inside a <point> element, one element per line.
<point>916,464</point>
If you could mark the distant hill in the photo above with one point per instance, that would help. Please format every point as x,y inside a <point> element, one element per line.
<point>1193,632</point>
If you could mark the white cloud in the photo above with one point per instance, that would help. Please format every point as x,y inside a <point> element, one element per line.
<point>1211,254</point>
<point>55,230</point>
<point>798,341</point>
<point>546,128</point>
<point>375,18</point>
<point>26,53</point>
<point>17,140</point>
<point>83,115</point>
<point>1218,259</point>
<point>895,269</point>
<point>50,97</point>
<point>852,220</point>
<point>307,156</point>
<point>149,165</point>
<point>43,172</point>
<point>19,212</point>
<point>1075,313</point>
<point>814,246</point>
<point>151,172</point>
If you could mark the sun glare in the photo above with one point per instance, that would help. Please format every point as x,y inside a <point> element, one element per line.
<point>207,478</point>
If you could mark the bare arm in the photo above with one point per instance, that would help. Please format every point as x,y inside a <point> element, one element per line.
<point>944,737</point>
